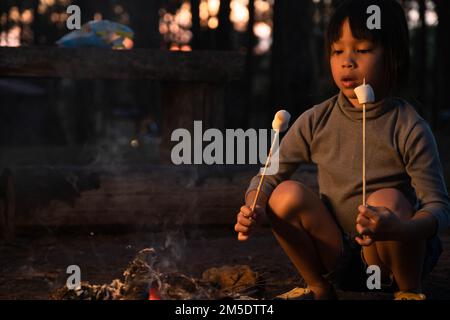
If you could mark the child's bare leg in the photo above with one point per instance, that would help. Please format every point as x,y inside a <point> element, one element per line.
<point>403,258</point>
<point>307,232</point>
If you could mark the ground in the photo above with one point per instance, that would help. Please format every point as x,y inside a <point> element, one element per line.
<point>33,266</point>
<point>58,235</point>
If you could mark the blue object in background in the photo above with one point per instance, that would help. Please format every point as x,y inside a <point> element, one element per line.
<point>102,34</point>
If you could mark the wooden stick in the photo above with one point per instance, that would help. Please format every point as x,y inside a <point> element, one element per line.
<point>364,152</point>
<point>264,171</point>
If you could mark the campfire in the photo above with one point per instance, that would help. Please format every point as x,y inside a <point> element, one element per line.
<point>143,280</point>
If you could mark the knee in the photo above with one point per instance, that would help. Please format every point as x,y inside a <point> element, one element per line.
<point>392,199</point>
<point>287,199</point>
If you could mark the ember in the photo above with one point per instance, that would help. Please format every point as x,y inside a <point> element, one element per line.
<point>144,281</point>
<point>153,294</point>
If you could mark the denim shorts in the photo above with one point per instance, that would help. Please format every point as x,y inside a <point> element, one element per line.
<point>350,274</point>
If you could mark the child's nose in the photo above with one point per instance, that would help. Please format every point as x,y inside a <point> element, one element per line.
<point>348,61</point>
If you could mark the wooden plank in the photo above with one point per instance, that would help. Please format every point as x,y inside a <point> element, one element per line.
<point>184,103</point>
<point>97,63</point>
<point>149,196</point>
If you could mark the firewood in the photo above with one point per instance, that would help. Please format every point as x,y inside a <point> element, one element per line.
<point>143,276</point>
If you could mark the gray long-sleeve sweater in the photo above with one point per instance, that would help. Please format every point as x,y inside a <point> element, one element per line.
<point>401,153</point>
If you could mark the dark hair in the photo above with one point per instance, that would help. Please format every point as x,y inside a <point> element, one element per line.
<point>393,35</point>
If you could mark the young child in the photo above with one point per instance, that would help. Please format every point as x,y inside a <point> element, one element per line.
<point>330,237</point>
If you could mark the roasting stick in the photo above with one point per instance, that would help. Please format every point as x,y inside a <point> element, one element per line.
<point>364,153</point>
<point>262,177</point>
<point>264,171</point>
<point>280,123</point>
<point>365,95</point>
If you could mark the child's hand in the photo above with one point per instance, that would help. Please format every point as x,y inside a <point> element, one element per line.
<point>377,223</point>
<point>246,221</point>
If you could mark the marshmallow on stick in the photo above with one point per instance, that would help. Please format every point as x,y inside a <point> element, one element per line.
<point>365,94</point>
<point>280,123</point>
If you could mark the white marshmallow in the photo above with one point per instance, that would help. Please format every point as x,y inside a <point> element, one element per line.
<point>365,94</point>
<point>281,120</point>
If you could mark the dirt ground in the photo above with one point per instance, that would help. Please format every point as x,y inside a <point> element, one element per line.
<point>34,266</point>
<point>35,263</point>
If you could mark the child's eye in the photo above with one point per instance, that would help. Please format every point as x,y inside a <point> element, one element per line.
<point>364,50</point>
<point>337,51</point>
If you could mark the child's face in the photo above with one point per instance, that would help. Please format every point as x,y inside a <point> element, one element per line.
<point>352,60</point>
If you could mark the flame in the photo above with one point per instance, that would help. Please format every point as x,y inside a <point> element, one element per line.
<point>153,294</point>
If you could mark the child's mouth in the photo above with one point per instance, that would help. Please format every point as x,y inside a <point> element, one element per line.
<point>348,82</point>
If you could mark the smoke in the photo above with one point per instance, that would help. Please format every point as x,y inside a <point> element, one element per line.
<point>172,252</point>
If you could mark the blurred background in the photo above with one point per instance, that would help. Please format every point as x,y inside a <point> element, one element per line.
<point>87,155</point>
<point>282,43</point>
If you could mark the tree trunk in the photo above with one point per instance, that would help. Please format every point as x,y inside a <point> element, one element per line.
<point>196,32</point>
<point>144,20</point>
<point>224,30</point>
<point>443,54</point>
<point>292,75</point>
<point>3,10</point>
<point>250,60</point>
<point>421,71</point>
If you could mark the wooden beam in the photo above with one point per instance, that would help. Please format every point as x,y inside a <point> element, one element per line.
<point>183,103</point>
<point>96,63</point>
<point>138,196</point>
